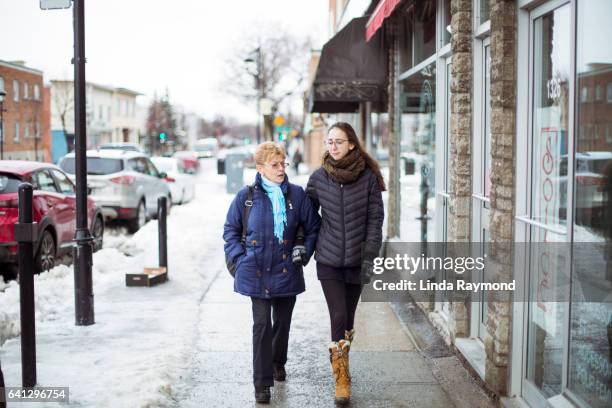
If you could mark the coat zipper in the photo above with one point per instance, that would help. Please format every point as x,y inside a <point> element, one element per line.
<point>342,224</point>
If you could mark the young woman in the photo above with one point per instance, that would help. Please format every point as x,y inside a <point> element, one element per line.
<point>348,189</point>
<point>263,259</point>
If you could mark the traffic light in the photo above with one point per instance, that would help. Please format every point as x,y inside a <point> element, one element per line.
<point>162,137</point>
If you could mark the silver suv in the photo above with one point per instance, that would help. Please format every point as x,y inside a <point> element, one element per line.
<point>124,184</point>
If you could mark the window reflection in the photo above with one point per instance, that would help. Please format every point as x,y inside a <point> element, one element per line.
<point>551,110</point>
<point>424,18</point>
<point>418,146</point>
<point>552,67</point>
<point>590,368</point>
<point>485,10</point>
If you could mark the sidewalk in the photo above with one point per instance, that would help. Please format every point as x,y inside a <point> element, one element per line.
<point>387,369</point>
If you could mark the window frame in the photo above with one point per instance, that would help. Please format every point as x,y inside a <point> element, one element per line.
<point>17,130</point>
<point>15,90</point>
<point>39,187</point>
<point>58,181</point>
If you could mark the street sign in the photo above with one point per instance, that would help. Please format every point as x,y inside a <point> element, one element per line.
<point>265,106</point>
<point>55,4</point>
<point>279,121</point>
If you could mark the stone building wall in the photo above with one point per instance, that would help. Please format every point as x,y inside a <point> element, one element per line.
<point>460,145</point>
<point>503,129</point>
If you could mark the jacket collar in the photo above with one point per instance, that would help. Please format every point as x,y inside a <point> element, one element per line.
<point>284,185</point>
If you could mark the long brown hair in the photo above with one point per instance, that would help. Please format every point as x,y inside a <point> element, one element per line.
<point>370,161</point>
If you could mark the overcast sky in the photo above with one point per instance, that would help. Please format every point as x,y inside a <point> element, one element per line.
<point>148,45</point>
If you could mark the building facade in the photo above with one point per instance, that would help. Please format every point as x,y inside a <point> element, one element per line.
<point>24,134</point>
<point>125,122</point>
<point>503,106</point>
<point>111,115</point>
<point>99,113</point>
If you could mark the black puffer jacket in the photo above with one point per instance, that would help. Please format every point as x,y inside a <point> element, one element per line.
<point>352,215</point>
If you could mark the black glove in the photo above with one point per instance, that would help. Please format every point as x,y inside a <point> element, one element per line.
<point>367,271</point>
<point>298,256</point>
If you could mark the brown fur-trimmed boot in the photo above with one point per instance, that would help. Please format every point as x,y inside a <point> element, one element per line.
<point>338,355</point>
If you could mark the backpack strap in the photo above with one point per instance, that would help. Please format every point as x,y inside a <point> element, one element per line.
<point>248,204</point>
<point>299,236</point>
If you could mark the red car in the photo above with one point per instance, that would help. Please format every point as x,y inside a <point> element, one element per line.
<point>189,160</point>
<point>53,208</point>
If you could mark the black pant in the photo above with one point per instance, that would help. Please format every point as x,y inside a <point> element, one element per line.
<point>271,323</point>
<point>342,299</point>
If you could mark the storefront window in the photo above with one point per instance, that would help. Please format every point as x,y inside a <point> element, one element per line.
<point>485,11</point>
<point>446,36</point>
<point>487,122</point>
<point>405,43</point>
<point>551,81</point>
<point>418,125</point>
<point>424,41</point>
<point>550,125</point>
<point>590,368</point>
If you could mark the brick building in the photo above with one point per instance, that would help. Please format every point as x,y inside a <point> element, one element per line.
<point>26,134</point>
<point>505,106</point>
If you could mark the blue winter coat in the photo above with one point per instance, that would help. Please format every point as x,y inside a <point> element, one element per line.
<point>264,266</point>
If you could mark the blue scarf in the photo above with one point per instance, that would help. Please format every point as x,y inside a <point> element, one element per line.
<point>279,211</point>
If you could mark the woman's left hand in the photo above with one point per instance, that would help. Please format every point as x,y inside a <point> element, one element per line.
<point>367,271</point>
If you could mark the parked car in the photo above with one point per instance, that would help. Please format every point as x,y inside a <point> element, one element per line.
<point>589,181</point>
<point>130,147</point>
<point>125,184</point>
<point>189,160</point>
<point>53,209</point>
<point>206,148</point>
<point>181,183</point>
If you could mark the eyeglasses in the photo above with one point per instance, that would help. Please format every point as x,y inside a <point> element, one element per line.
<point>337,142</point>
<point>277,165</point>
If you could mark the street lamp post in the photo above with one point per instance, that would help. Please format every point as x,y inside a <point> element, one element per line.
<point>82,251</point>
<point>2,95</point>
<point>259,86</point>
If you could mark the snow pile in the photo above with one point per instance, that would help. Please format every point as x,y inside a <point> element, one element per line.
<point>143,338</point>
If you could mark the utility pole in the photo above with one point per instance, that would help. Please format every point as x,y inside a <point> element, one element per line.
<point>259,92</point>
<point>258,75</point>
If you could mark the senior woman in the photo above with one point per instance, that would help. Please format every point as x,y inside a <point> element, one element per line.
<point>348,189</point>
<point>264,262</point>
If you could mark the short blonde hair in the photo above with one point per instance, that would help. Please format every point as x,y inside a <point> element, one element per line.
<point>266,150</point>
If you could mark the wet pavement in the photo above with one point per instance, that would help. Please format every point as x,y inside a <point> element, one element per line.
<point>387,367</point>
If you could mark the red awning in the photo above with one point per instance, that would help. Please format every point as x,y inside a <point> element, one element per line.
<point>381,12</point>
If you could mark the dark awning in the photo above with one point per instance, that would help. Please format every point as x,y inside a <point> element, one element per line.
<point>351,70</point>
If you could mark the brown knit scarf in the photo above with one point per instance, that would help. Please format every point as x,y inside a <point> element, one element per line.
<point>345,170</point>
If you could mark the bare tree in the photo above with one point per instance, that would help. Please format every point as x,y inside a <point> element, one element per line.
<point>279,75</point>
<point>63,100</point>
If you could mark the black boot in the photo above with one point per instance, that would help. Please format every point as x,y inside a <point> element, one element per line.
<point>262,395</point>
<point>279,373</point>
